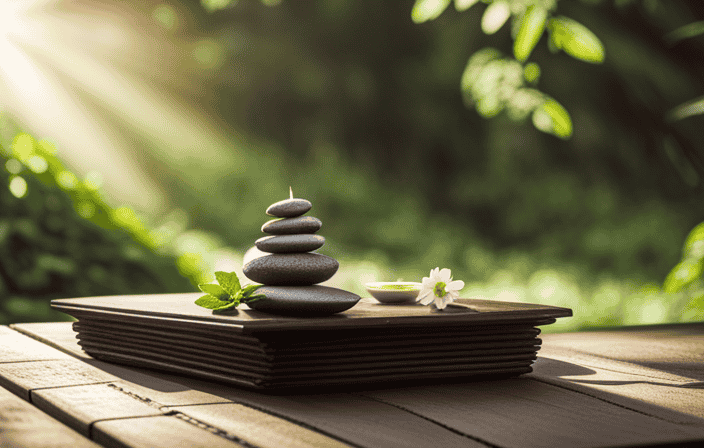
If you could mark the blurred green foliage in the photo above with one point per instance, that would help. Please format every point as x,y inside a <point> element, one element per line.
<point>59,239</point>
<point>358,108</point>
<point>361,107</point>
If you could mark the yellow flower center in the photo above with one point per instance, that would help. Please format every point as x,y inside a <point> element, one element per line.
<point>440,289</point>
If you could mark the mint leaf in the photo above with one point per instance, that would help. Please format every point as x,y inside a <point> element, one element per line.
<point>253,298</point>
<point>212,303</point>
<point>215,290</point>
<point>229,282</point>
<point>227,306</point>
<point>249,289</point>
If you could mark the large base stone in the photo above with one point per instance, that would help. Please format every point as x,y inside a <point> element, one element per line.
<point>304,301</point>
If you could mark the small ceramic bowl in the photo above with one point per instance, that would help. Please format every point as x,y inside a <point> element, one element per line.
<point>393,292</point>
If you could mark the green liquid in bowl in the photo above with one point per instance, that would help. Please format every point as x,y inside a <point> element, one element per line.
<point>399,287</point>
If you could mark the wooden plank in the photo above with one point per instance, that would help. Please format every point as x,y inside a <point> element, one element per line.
<point>16,347</point>
<point>23,425</point>
<point>353,419</point>
<point>159,432</point>
<point>258,428</point>
<point>527,413</point>
<point>23,377</point>
<point>356,420</point>
<point>677,349</point>
<point>167,393</point>
<point>143,384</point>
<point>81,406</point>
<point>55,334</point>
<point>670,396</point>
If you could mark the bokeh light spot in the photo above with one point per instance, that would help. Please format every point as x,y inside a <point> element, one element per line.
<point>13,166</point>
<point>208,53</point>
<point>18,187</point>
<point>37,164</point>
<point>93,180</point>
<point>166,16</point>
<point>23,146</point>
<point>67,180</point>
<point>86,209</point>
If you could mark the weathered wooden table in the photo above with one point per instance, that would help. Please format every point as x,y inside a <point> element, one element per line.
<point>637,386</point>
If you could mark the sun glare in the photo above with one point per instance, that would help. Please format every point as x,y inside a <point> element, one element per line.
<point>97,77</point>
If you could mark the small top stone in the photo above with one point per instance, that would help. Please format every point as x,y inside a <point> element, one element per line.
<point>289,208</point>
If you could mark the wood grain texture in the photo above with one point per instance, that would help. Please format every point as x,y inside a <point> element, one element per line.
<point>16,347</point>
<point>575,398</point>
<point>677,349</point>
<point>23,377</point>
<point>81,406</point>
<point>53,334</point>
<point>665,380</point>
<point>353,419</point>
<point>527,413</point>
<point>158,432</point>
<point>23,425</point>
<point>259,428</point>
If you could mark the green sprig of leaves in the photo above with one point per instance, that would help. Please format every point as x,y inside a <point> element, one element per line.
<point>228,293</point>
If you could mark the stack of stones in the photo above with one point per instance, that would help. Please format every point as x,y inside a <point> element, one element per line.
<point>288,268</point>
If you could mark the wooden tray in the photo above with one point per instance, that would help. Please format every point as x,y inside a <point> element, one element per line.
<point>369,344</point>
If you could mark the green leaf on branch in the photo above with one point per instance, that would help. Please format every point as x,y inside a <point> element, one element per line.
<point>463,5</point>
<point>424,10</point>
<point>554,119</point>
<point>532,27</point>
<point>694,244</point>
<point>495,15</point>
<point>576,40</point>
<point>688,109</point>
<point>685,32</point>
<point>686,272</point>
<point>229,281</point>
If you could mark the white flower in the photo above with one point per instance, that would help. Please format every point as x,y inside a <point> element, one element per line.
<point>440,288</point>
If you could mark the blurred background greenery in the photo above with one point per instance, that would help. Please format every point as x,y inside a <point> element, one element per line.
<point>545,151</point>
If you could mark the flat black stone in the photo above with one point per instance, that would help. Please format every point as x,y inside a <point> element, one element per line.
<point>289,208</point>
<point>291,269</point>
<point>304,301</point>
<point>281,244</point>
<point>290,226</point>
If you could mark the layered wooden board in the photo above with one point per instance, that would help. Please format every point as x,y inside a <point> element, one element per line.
<point>555,406</point>
<point>370,344</point>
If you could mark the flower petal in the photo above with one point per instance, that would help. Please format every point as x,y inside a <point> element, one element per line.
<point>445,275</point>
<point>428,283</point>
<point>440,303</point>
<point>455,285</point>
<point>426,299</point>
<point>423,292</point>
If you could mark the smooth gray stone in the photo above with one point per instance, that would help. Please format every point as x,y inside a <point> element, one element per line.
<point>290,226</point>
<point>291,269</point>
<point>282,244</point>
<point>289,208</point>
<point>303,301</point>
